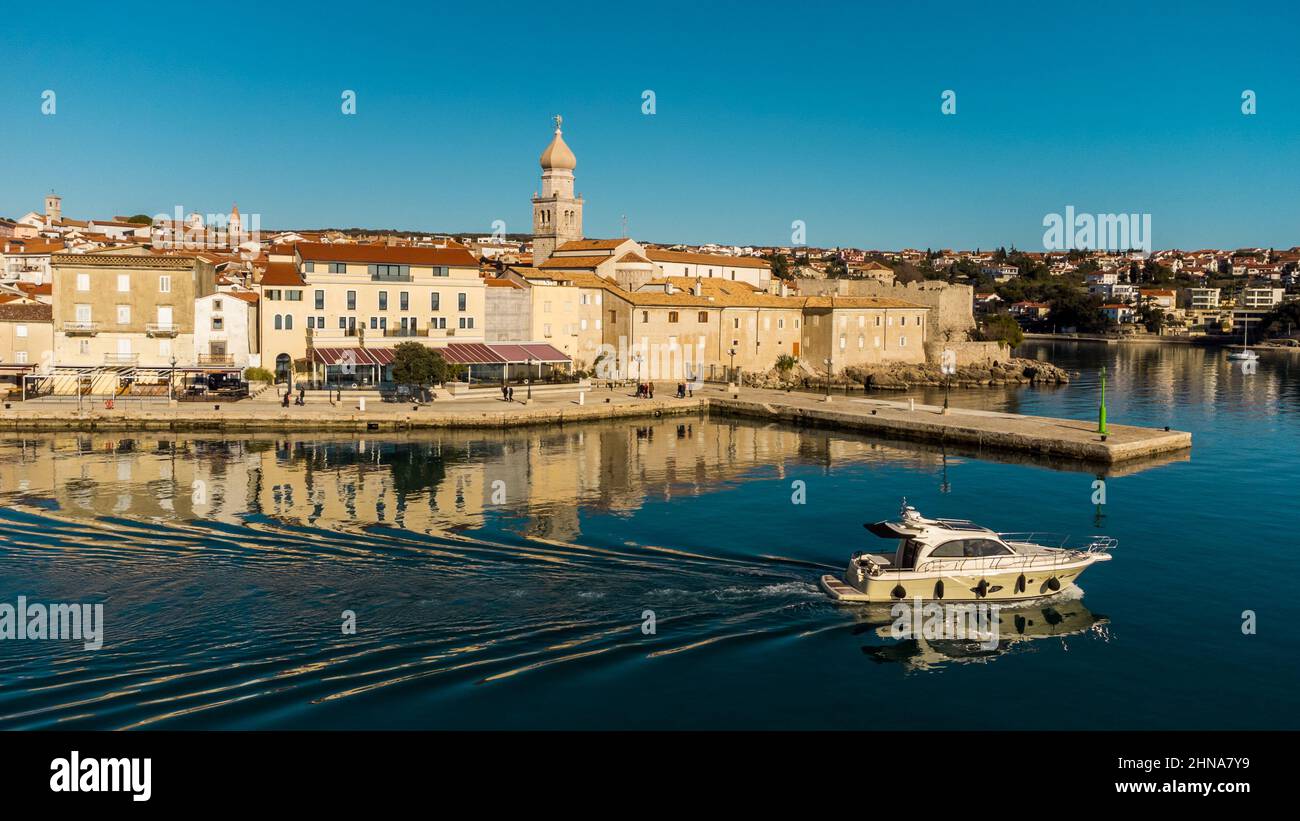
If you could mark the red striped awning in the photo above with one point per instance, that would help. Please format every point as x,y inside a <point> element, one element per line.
<point>460,353</point>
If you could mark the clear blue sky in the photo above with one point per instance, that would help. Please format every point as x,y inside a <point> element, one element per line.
<point>766,113</point>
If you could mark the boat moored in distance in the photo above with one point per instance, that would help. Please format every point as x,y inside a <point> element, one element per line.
<point>958,560</point>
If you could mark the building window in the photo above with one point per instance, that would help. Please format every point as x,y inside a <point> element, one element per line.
<point>279,322</point>
<point>352,300</point>
<point>902,320</point>
<point>294,295</point>
<point>311,323</point>
<point>218,323</point>
<point>704,316</point>
<point>165,284</point>
<point>84,347</point>
<point>123,283</point>
<point>404,300</point>
<point>123,314</point>
<point>434,301</point>
<point>383,300</point>
<point>546,329</point>
<point>20,357</point>
<point>672,316</point>
<point>288,322</point>
<point>216,305</point>
<point>645,316</point>
<point>338,268</point>
<point>320,300</point>
<point>83,282</point>
<point>844,342</point>
<point>862,342</point>
<point>902,342</point>
<point>83,313</point>
<point>460,301</point>
<point>272,295</point>
<point>582,324</point>
<point>468,322</point>
<point>598,324</point>
<point>780,324</point>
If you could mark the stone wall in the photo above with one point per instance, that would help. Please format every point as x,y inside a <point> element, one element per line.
<point>950,305</point>
<point>968,353</point>
<point>508,315</point>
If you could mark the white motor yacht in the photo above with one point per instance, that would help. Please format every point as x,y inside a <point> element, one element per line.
<point>957,560</point>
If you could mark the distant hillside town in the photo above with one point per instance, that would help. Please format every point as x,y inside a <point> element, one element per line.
<point>216,294</point>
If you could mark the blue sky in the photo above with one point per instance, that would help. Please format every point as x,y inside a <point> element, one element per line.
<point>766,113</point>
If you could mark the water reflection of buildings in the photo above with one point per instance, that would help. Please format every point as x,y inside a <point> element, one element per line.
<point>436,482</point>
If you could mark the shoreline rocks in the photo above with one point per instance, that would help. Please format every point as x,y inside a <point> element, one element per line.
<point>899,377</point>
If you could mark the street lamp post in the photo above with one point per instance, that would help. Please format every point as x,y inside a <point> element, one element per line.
<point>828,379</point>
<point>529,364</point>
<point>171,382</point>
<point>731,369</point>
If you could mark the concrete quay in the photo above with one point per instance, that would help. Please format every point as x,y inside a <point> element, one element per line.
<point>1059,438</point>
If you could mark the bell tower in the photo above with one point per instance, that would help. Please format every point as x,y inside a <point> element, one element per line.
<point>557,212</point>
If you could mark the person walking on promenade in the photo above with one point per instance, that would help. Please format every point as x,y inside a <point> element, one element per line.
<point>652,390</point>
<point>510,394</point>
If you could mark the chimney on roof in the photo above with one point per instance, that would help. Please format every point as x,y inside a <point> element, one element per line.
<point>669,289</point>
<point>699,287</point>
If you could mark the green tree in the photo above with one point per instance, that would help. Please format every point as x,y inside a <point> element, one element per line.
<point>1003,328</point>
<point>1282,320</point>
<point>421,367</point>
<point>140,219</point>
<point>780,266</point>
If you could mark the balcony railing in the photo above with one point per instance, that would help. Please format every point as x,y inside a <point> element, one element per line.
<point>216,359</point>
<point>162,329</point>
<point>81,327</point>
<point>406,332</point>
<point>121,359</point>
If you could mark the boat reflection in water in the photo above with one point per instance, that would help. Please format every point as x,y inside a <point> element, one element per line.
<point>1003,629</point>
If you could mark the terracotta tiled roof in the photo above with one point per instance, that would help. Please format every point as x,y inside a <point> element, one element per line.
<point>563,263</point>
<point>688,258</point>
<point>26,312</point>
<point>387,254</point>
<point>282,273</point>
<point>591,244</point>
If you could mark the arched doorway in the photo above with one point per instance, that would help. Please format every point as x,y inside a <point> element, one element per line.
<point>283,367</point>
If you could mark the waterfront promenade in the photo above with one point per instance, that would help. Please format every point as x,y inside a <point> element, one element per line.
<point>870,415</point>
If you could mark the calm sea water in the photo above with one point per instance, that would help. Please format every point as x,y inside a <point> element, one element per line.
<point>506,580</point>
